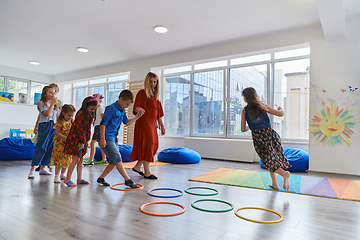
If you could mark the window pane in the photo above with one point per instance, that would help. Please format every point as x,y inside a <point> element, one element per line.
<point>210,65</point>
<point>240,78</point>
<point>79,95</point>
<point>177,69</point>
<point>19,88</point>
<point>114,92</point>
<point>177,104</point>
<point>80,84</point>
<point>97,81</point>
<point>36,90</point>
<point>293,53</point>
<point>2,84</point>
<point>251,59</point>
<point>99,89</point>
<point>291,93</point>
<point>208,109</point>
<point>119,78</point>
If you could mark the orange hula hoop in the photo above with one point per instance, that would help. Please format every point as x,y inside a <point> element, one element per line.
<point>126,189</point>
<point>162,215</point>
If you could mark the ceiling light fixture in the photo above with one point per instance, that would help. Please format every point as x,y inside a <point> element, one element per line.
<point>160,29</point>
<point>82,49</point>
<point>34,63</point>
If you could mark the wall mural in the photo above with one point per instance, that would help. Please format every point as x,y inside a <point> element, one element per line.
<point>333,125</point>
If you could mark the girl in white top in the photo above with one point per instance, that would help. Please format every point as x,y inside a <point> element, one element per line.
<point>48,113</point>
<point>99,114</point>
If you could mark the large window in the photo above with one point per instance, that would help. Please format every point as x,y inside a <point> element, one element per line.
<point>108,86</point>
<point>204,99</point>
<point>23,90</point>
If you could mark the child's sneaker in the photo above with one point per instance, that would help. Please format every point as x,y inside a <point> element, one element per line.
<point>100,162</point>
<point>131,184</point>
<point>103,182</point>
<point>31,174</point>
<point>57,179</point>
<point>62,176</point>
<point>44,172</point>
<point>88,162</point>
<point>69,183</point>
<point>82,181</point>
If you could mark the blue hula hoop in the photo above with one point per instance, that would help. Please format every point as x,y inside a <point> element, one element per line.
<point>172,189</point>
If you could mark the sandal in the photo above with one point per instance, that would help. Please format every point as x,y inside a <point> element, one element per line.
<point>152,176</point>
<point>139,172</point>
<point>102,181</point>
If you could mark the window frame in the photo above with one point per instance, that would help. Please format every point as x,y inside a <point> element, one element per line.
<point>270,75</point>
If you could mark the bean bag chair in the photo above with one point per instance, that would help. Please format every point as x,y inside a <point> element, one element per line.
<point>16,149</point>
<point>298,158</point>
<point>125,151</point>
<point>179,155</point>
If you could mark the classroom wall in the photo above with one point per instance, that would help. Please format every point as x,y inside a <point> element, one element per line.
<point>19,116</point>
<point>334,66</point>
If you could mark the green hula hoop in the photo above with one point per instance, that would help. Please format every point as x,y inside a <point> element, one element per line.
<point>214,200</point>
<point>200,194</point>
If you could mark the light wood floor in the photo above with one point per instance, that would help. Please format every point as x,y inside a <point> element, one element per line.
<point>40,209</point>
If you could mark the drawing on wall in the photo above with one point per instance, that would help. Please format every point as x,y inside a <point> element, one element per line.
<point>332,126</point>
<point>6,97</point>
<point>37,97</point>
<point>22,97</point>
<point>352,89</point>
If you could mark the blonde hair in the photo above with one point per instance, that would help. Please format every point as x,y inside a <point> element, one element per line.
<point>147,88</point>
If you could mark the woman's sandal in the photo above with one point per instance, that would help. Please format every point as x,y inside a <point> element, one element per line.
<point>139,172</point>
<point>152,176</point>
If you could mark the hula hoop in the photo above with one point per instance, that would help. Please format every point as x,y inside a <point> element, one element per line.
<point>200,194</point>
<point>258,221</point>
<point>162,215</point>
<point>172,189</point>
<point>126,189</point>
<point>214,200</point>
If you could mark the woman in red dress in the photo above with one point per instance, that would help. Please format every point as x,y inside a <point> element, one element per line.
<point>146,141</point>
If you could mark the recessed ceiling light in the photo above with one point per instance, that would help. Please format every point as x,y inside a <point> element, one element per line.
<point>34,63</point>
<point>160,29</point>
<point>82,49</point>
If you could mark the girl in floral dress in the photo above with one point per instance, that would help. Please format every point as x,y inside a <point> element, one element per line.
<point>59,159</point>
<point>77,141</point>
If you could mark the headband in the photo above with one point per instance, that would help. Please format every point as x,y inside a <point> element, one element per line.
<point>92,100</point>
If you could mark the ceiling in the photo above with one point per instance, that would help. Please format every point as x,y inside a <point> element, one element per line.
<point>116,31</point>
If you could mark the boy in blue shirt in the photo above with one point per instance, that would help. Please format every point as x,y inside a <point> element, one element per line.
<point>110,124</point>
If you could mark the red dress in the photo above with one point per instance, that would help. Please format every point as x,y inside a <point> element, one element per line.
<point>146,141</point>
<point>79,133</point>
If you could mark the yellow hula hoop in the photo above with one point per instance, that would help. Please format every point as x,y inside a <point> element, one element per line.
<point>258,221</point>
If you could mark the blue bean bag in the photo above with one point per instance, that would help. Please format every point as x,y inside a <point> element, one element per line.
<point>298,158</point>
<point>179,155</point>
<point>125,151</point>
<point>16,149</point>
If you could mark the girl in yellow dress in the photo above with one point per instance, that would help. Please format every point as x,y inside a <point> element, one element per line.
<point>59,159</point>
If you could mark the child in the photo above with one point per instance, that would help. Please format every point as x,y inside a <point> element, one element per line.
<point>77,140</point>
<point>109,127</point>
<point>48,115</point>
<point>60,160</point>
<point>99,114</point>
<point>266,141</point>
<point>57,106</point>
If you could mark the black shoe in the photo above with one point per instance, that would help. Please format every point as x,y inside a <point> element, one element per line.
<point>152,176</point>
<point>139,172</point>
<point>131,184</point>
<point>37,169</point>
<point>102,181</point>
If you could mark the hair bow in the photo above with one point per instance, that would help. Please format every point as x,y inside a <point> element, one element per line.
<point>101,97</point>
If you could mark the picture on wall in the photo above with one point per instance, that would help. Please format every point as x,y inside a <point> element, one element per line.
<point>22,97</point>
<point>37,97</point>
<point>6,97</point>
